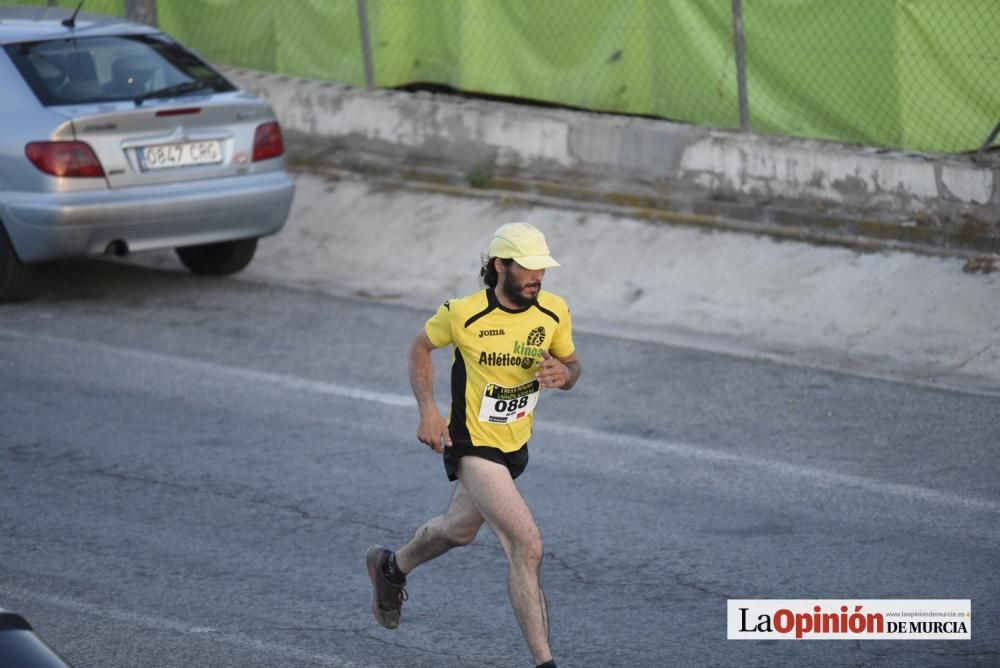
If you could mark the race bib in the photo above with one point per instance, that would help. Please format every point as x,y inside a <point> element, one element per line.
<point>503,405</point>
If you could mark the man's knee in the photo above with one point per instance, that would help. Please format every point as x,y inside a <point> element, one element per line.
<point>526,548</point>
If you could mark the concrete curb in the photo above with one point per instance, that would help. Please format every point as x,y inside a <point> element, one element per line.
<point>814,191</point>
<point>778,222</point>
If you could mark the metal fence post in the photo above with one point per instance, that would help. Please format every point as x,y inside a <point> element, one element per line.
<point>366,44</point>
<point>143,11</point>
<point>989,141</point>
<point>739,44</point>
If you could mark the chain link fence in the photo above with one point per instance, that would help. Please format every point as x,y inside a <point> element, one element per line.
<point>622,57</point>
<point>907,74</point>
<point>910,74</point>
<point>112,7</point>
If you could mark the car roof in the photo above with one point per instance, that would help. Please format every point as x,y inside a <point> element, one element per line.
<point>29,24</point>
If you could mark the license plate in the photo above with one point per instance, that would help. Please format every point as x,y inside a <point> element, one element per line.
<point>180,155</point>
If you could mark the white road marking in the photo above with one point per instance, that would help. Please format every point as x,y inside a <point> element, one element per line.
<point>126,617</point>
<point>175,361</point>
<point>941,379</point>
<point>826,478</point>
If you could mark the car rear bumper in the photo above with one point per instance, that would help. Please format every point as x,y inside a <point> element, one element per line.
<point>50,226</point>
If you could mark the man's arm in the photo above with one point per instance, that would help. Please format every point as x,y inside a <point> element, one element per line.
<point>433,430</point>
<point>559,372</point>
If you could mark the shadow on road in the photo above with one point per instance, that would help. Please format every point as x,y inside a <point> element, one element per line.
<point>81,280</point>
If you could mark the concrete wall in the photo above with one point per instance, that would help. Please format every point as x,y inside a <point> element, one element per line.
<point>809,189</point>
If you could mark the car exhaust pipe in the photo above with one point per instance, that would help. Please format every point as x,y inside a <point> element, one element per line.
<point>118,248</point>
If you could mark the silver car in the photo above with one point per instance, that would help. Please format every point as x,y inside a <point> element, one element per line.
<point>114,139</point>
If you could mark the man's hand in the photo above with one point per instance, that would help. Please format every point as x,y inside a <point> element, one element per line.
<point>552,373</point>
<point>433,431</point>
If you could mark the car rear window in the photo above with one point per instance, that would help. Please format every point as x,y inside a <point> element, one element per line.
<point>106,69</point>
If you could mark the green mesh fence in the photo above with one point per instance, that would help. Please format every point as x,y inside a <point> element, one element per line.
<point>307,38</point>
<point>671,59</point>
<point>110,7</point>
<point>919,74</point>
<point>914,74</point>
<point>948,67</point>
<point>824,69</point>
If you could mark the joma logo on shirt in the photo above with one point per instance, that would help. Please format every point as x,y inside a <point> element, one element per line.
<point>490,332</point>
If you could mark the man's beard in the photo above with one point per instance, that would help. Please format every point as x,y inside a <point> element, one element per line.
<point>513,291</point>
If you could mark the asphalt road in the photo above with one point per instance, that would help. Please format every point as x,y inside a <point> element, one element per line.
<point>193,469</point>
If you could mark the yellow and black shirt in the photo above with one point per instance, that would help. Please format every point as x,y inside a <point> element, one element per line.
<point>493,385</point>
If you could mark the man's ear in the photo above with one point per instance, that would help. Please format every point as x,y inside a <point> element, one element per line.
<point>498,266</point>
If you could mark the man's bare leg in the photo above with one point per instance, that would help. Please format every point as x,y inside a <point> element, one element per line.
<point>458,526</point>
<point>498,500</point>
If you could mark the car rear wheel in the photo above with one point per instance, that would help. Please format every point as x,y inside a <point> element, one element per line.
<point>15,276</point>
<point>221,259</point>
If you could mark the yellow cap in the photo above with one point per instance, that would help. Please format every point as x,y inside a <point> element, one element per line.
<point>524,243</point>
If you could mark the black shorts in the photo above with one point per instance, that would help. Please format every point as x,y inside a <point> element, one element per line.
<point>514,461</point>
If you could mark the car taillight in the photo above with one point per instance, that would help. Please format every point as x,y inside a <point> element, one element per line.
<point>267,142</point>
<point>64,158</point>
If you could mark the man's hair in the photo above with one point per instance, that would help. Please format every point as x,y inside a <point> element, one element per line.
<point>489,271</point>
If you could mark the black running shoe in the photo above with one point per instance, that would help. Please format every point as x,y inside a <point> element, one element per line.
<point>387,598</point>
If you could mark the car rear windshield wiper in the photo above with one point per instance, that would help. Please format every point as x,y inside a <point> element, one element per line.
<point>174,91</point>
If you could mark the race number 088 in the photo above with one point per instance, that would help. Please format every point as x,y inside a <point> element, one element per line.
<point>503,405</point>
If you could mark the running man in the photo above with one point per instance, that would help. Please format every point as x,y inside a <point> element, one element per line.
<point>510,341</point>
